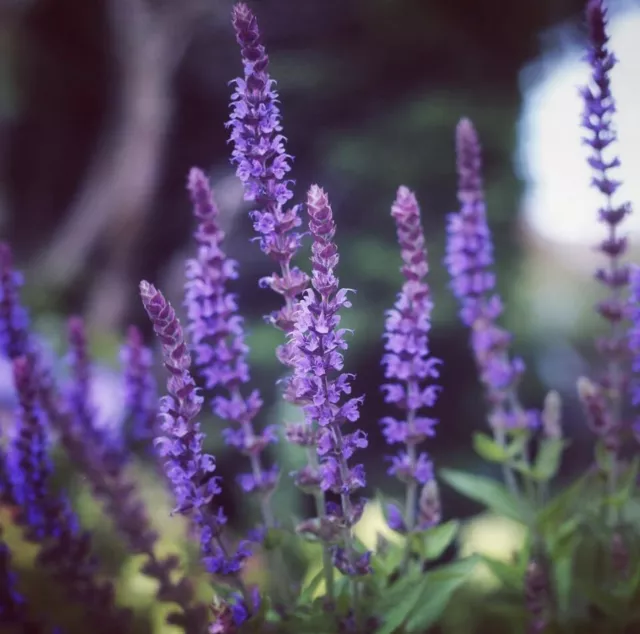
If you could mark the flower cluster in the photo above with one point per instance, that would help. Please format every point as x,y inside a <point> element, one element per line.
<point>140,392</point>
<point>262,164</point>
<point>469,260</point>
<point>402,587</point>
<point>318,382</point>
<point>13,317</point>
<point>49,520</point>
<point>189,469</point>
<point>407,361</point>
<point>217,334</point>
<point>597,120</point>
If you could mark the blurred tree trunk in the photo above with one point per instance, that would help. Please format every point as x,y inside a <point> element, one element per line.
<point>111,208</point>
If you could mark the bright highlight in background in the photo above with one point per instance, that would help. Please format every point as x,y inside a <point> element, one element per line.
<point>559,205</point>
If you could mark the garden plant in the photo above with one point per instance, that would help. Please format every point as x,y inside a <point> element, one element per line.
<point>579,567</point>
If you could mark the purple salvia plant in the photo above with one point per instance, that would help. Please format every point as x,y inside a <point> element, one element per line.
<point>48,519</point>
<point>634,340</point>
<point>14,320</point>
<point>140,391</point>
<point>108,484</point>
<point>188,468</point>
<point>320,385</point>
<point>469,259</point>
<point>599,107</point>
<point>106,441</point>
<point>217,333</point>
<point>409,365</point>
<point>262,165</point>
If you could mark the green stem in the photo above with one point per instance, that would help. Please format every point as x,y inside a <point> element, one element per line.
<point>507,472</point>
<point>321,510</point>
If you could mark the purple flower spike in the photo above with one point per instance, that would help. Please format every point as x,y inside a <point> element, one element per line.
<point>217,332</point>
<point>47,519</point>
<point>188,468</point>
<point>140,391</point>
<point>597,120</point>
<point>407,362</point>
<point>107,442</point>
<point>469,259</point>
<point>634,340</point>
<point>14,320</point>
<point>262,164</point>
<point>318,383</point>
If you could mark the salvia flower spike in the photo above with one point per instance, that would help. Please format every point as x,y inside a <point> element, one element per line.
<point>597,120</point>
<point>320,385</point>
<point>469,259</point>
<point>188,468</point>
<point>140,390</point>
<point>408,364</point>
<point>262,164</point>
<point>48,520</point>
<point>218,338</point>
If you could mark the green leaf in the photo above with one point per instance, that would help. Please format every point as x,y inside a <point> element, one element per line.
<point>397,615</point>
<point>441,584</point>
<point>437,539</point>
<point>562,505</point>
<point>489,449</point>
<point>626,485</point>
<point>510,574</point>
<point>548,459</point>
<point>563,579</point>
<point>489,492</point>
<point>604,457</point>
<point>309,590</point>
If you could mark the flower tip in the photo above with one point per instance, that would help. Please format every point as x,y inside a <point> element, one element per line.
<point>597,21</point>
<point>196,178</point>
<point>466,133</point>
<point>147,290</point>
<point>242,18</point>
<point>405,204</point>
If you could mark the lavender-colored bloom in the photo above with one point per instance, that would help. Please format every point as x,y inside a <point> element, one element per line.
<point>597,116</point>
<point>469,259</point>
<point>14,321</point>
<point>262,164</point>
<point>318,381</point>
<point>217,332</point>
<point>407,361</point>
<point>49,520</point>
<point>140,391</point>
<point>188,468</point>
<point>634,340</point>
<point>107,442</point>
<point>319,384</point>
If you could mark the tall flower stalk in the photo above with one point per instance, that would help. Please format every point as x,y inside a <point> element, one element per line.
<point>65,550</point>
<point>70,415</point>
<point>319,384</point>
<point>409,366</point>
<point>217,333</point>
<point>597,120</point>
<point>262,165</point>
<point>469,259</point>
<point>140,390</point>
<point>189,469</point>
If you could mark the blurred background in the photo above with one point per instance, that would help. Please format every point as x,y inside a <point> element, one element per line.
<point>105,105</point>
